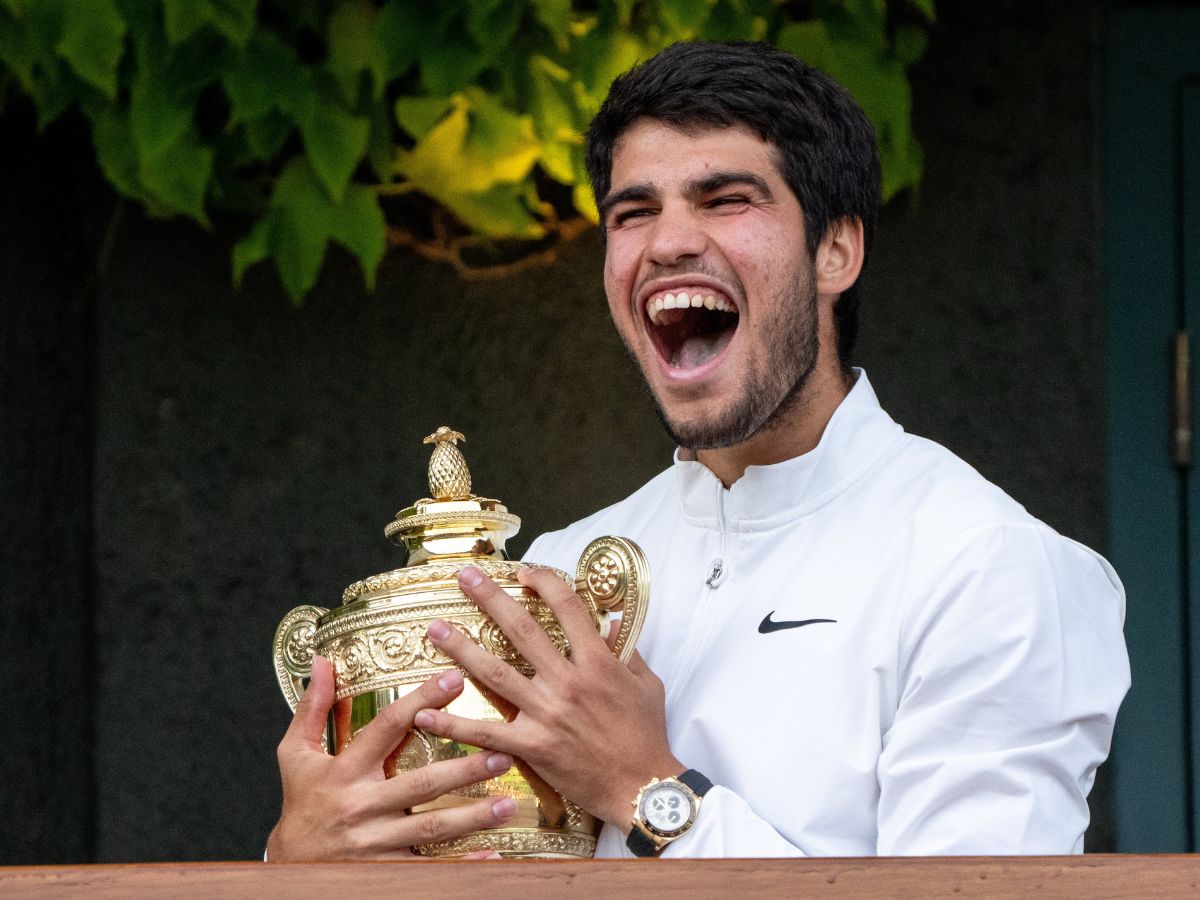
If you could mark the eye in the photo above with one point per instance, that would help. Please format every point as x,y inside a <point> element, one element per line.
<point>728,201</point>
<point>630,214</point>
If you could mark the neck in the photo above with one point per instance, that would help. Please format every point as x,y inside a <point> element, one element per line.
<point>793,431</point>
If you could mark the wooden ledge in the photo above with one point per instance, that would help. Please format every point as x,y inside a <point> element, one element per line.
<point>1091,876</point>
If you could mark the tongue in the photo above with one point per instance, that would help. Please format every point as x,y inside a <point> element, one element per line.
<point>698,349</point>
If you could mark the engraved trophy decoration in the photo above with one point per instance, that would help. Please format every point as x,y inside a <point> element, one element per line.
<point>376,643</point>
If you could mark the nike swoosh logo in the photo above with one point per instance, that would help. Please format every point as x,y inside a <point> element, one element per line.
<point>767,625</point>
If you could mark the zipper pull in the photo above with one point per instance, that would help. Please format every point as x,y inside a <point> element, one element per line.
<point>716,573</point>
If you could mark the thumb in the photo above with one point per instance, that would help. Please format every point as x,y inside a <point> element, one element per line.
<point>308,725</point>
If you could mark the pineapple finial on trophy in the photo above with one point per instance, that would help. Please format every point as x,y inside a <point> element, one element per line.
<point>449,477</point>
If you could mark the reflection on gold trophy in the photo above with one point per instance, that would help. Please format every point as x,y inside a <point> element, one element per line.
<point>376,643</point>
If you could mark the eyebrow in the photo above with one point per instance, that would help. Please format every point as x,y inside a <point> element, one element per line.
<point>714,181</point>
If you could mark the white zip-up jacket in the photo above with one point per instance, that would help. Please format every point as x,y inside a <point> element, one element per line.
<point>958,703</point>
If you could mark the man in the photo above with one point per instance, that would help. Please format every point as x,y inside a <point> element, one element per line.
<point>862,645</point>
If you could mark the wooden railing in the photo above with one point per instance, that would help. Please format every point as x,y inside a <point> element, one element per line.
<point>1091,876</point>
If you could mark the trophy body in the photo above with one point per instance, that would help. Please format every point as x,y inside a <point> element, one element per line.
<point>377,646</point>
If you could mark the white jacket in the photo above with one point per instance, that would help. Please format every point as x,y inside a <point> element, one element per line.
<point>959,703</point>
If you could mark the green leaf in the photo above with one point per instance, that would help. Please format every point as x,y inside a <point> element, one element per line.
<point>178,175</point>
<point>493,22</point>
<point>157,118</point>
<point>232,18</point>
<point>302,220</point>
<point>450,64</point>
<point>554,116</point>
<point>729,21</point>
<point>354,48</point>
<point>498,212</point>
<point>910,44</point>
<point>400,28</point>
<point>267,75</point>
<point>878,83</point>
<point>17,50</point>
<point>335,139</point>
<point>685,18</point>
<point>92,42</point>
<point>925,8</point>
<point>381,145</point>
<point>183,18</point>
<point>266,136</point>
<point>601,57</point>
<point>115,152</point>
<point>253,248</point>
<point>477,145</point>
<point>556,16</point>
<point>417,115</point>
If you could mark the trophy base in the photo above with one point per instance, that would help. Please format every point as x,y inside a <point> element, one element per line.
<point>516,843</point>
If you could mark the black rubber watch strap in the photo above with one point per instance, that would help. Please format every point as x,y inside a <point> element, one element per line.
<point>697,782</point>
<point>639,843</point>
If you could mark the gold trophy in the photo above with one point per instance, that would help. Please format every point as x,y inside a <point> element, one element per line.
<point>377,645</point>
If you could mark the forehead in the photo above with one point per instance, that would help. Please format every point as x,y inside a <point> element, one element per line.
<point>655,152</point>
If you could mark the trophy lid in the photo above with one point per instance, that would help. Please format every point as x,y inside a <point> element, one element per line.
<point>452,522</point>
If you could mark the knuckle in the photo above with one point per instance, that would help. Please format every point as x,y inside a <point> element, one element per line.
<point>346,812</point>
<point>526,628</point>
<point>495,670</point>
<point>431,826</point>
<point>395,716</point>
<point>422,782</point>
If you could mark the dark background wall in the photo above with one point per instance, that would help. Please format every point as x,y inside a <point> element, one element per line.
<point>183,463</point>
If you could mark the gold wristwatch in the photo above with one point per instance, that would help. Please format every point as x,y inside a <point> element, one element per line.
<point>664,811</point>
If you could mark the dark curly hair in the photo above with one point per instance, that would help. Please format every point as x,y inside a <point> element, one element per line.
<point>825,143</point>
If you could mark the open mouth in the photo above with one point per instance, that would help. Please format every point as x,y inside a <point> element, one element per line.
<point>690,328</point>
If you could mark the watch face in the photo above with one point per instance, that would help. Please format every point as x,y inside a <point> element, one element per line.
<point>667,808</point>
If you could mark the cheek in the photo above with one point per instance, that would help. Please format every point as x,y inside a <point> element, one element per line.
<point>619,272</point>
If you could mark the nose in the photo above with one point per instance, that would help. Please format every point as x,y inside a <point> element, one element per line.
<point>677,234</point>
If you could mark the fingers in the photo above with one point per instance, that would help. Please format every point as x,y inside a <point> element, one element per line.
<point>498,735</point>
<point>409,789</point>
<point>375,742</point>
<point>485,668</point>
<point>308,724</point>
<point>572,614</point>
<point>440,824</point>
<point>517,624</point>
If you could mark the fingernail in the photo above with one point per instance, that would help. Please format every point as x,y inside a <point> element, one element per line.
<point>499,763</point>
<point>492,854</point>
<point>502,809</point>
<point>470,576</point>
<point>438,630</point>
<point>424,719</point>
<point>450,681</point>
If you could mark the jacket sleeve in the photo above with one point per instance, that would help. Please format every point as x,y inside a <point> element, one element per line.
<point>1011,667</point>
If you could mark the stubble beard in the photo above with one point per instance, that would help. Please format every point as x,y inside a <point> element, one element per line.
<point>768,392</point>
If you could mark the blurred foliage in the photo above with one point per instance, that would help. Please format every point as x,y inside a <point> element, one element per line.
<point>357,121</point>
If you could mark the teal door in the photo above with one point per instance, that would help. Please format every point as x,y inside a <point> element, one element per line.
<point>1151,197</point>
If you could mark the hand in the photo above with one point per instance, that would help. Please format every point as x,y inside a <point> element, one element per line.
<point>593,728</point>
<point>342,807</point>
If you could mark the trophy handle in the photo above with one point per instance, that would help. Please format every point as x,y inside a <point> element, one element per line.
<point>614,572</point>
<point>293,650</point>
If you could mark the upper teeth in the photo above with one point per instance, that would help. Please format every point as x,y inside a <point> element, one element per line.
<point>682,300</point>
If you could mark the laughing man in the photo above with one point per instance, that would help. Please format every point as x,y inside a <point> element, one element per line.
<point>856,644</point>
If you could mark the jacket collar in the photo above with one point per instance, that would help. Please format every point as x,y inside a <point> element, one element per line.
<point>857,437</point>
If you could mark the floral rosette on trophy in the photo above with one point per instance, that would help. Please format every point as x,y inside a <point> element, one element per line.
<point>379,651</point>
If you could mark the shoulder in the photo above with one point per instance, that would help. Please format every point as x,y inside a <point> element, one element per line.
<point>945,523</point>
<point>628,517</point>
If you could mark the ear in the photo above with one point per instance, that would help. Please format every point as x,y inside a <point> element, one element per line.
<point>840,256</point>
